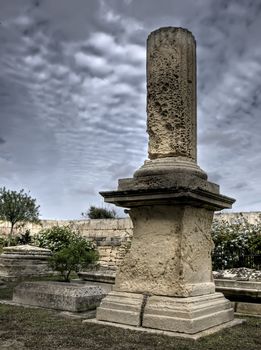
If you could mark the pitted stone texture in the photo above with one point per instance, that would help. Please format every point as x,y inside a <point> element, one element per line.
<point>59,295</point>
<point>122,308</point>
<point>187,315</point>
<point>170,252</point>
<point>171,93</point>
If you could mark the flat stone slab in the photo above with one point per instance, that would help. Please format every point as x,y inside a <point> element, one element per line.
<point>26,249</point>
<point>196,336</point>
<point>59,295</point>
<point>234,288</point>
<point>106,276</point>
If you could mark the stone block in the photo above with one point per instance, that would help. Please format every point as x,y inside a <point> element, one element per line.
<point>239,289</point>
<point>187,315</point>
<point>59,295</point>
<point>105,276</point>
<point>120,307</point>
<point>247,308</point>
<point>24,261</point>
<point>184,269</point>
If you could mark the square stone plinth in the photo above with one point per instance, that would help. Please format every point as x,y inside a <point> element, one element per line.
<point>187,315</point>
<point>59,295</point>
<point>120,307</point>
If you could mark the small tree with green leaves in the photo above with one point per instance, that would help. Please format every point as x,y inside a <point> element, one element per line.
<point>17,207</point>
<point>99,213</point>
<point>78,255</point>
<point>71,251</point>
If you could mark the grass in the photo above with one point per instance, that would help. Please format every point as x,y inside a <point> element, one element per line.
<point>25,328</point>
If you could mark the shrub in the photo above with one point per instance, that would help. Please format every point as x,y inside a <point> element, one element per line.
<point>6,241</point>
<point>76,256</point>
<point>55,238</point>
<point>71,252</point>
<point>237,243</point>
<point>100,213</point>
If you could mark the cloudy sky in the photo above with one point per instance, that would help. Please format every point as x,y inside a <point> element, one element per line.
<point>73,95</point>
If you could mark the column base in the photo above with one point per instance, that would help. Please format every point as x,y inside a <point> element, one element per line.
<point>189,315</point>
<point>121,307</point>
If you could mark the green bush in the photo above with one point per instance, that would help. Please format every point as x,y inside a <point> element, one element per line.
<point>71,252</point>
<point>237,243</point>
<point>76,256</point>
<point>55,238</point>
<point>6,241</point>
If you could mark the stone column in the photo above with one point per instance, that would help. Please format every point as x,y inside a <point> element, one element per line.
<point>171,103</point>
<point>171,94</point>
<point>165,281</point>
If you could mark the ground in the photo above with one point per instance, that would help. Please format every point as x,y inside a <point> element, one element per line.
<point>27,328</point>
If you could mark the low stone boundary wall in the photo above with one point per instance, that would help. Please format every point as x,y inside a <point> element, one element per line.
<point>112,236</point>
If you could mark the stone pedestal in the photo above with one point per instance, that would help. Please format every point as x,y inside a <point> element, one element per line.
<point>24,261</point>
<point>165,281</point>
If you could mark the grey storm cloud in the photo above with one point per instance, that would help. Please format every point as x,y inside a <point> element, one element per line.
<point>73,95</point>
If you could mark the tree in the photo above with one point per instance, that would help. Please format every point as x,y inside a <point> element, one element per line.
<point>71,251</point>
<point>17,207</point>
<point>100,213</point>
<point>77,255</point>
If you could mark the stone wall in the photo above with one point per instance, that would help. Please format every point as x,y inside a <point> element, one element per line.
<point>112,236</point>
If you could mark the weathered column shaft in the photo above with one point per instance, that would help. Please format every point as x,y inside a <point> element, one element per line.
<point>171,93</point>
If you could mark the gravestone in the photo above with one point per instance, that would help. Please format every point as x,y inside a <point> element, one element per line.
<point>165,281</point>
<point>72,297</point>
<point>24,261</point>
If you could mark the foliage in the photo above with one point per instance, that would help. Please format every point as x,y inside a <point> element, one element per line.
<point>71,252</point>
<point>237,243</point>
<point>78,255</point>
<point>99,213</point>
<point>55,238</point>
<point>17,207</point>
<point>24,238</point>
